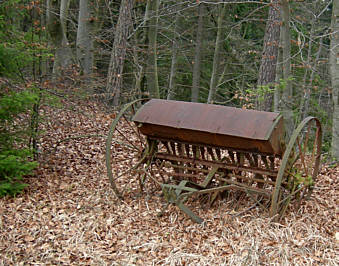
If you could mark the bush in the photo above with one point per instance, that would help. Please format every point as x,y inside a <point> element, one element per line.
<point>14,156</point>
<point>13,166</point>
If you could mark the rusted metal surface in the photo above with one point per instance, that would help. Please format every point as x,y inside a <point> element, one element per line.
<point>209,118</point>
<point>212,125</point>
<point>220,164</point>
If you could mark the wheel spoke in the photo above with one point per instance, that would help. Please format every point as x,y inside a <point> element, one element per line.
<point>302,157</point>
<point>129,170</point>
<point>125,138</point>
<point>136,132</point>
<point>289,196</point>
<point>307,137</point>
<point>127,145</point>
<point>315,148</point>
<point>124,160</point>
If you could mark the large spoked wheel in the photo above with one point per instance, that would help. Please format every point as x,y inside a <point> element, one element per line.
<point>127,152</point>
<point>299,167</point>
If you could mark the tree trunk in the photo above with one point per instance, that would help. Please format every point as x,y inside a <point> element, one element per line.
<point>116,65</point>
<point>305,100</point>
<point>216,58</point>
<point>139,69</point>
<point>197,56</point>
<point>278,77</point>
<point>287,94</point>
<point>267,70</point>
<point>57,17</point>
<point>152,68</point>
<point>334,69</point>
<point>171,86</point>
<point>139,55</point>
<point>305,90</point>
<point>84,39</point>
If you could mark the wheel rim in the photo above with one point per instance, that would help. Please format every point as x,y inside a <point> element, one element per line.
<point>124,150</point>
<point>299,166</point>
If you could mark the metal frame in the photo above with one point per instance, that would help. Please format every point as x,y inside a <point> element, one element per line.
<point>194,169</point>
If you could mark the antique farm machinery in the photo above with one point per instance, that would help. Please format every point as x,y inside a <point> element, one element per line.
<point>194,149</point>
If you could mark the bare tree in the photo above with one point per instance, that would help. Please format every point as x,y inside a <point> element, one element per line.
<point>57,12</point>
<point>171,85</point>
<point>152,68</point>
<point>216,57</point>
<point>267,70</point>
<point>314,48</point>
<point>286,106</point>
<point>84,41</point>
<point>116,65</point>
<point>334,65</point>
<point>307,86</point>
<point>197,56</point>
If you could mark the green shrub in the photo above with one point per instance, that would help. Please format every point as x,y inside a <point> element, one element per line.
<point>14,156</point>
<point>13,166</point>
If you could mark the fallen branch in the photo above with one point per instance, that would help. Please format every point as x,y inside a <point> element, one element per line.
<point>76,137</point>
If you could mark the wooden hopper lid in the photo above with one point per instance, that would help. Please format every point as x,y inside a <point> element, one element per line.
<point>215,119</point>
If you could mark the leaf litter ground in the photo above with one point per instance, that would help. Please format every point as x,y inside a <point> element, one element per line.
<point>69,214</point>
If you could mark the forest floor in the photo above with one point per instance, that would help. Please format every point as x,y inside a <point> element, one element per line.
<point>69,214</point>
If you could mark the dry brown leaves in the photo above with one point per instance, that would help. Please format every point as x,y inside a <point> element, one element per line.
<point>69,215</point>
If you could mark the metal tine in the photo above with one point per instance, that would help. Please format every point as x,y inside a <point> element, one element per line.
<point>173,148</point>
<point>218,153</point>
<point>165,143</point>
<point>196,155</point>
<point>249,158</point>
<point>180,148</point>
<point>202,152</point>
<point>195,151</point>
<point>264,159</point>
<point>225,154</point>
<point>240,158</point>
<point>210,151</point>
<point>258,164</point>
<point>187,150</point>
<point>271,158</point>
<point>180,153</point>
<point>231,154</point>
<point>255,160</point>
<point>214,151</point>
<point>240,162</point>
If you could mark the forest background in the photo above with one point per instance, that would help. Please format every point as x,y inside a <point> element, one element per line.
<point>267,55</point>
<point>66,66</point>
